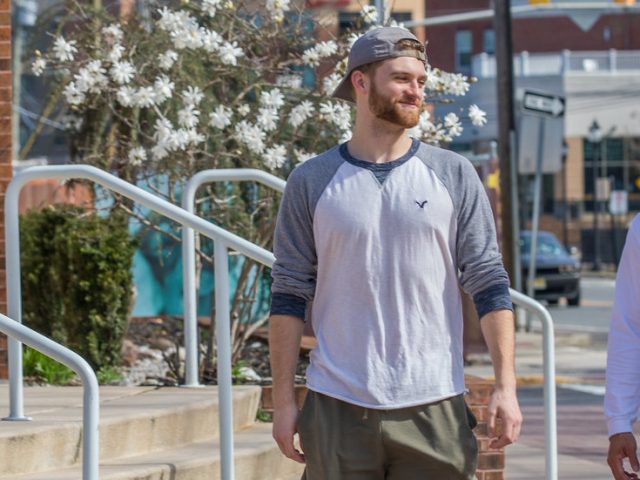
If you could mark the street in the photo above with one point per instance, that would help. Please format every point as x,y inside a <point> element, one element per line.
<point>594,311</point>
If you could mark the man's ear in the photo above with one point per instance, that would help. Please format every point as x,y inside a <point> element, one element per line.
<point>359,81</point>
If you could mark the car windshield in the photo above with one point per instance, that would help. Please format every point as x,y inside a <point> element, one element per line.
<point>546,245</point>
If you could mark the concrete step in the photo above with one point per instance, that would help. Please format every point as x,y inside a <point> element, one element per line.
<point>133,422</point>
<point>256,458</point>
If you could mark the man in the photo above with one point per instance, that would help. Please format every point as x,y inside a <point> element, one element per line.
<point>622,397</point>
<point>378,233</point>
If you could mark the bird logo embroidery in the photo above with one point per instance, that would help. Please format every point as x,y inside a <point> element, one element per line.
<point>421,204</point>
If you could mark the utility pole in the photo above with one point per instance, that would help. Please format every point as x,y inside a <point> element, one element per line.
<point>506,139</point>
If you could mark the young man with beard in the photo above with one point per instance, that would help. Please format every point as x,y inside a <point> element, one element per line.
<point>378,233</point>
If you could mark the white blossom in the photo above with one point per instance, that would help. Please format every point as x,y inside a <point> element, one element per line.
<point>122,72</point>
<point>167,59</point>
<point>64,50</point>
<point>313,55</point>
<point>210,7</point>
<point>125,96</point>
<point>188,116</point>
<point>243,110</point>
<point>164,89</point>
<point>73,95</point>
<point>455,84</point>
<point>194,137</point>
<point>229,53</point>
<point>273,99</point>
<point>346,136</point>
<point>289,81</point>
<point>327,48</point>
<point>330,83</point>
<point>433,80</point>
<point>275,157</point>
<point>115,54</point>
<point>277,8</point>
<point>478,117</point>
<point>251,135</point>
<point>211,41</point>
<point>452,122</point>
<point>300,113</point>
<point>144,97</point>
<point>192,96</point>
<point>38,66</point>
<point>160,150</point>
<point>353,37</point>
<point>328,111</point>
<point>342,117</point>
<point>137,155</point>
<point>113,33</point>
<point>91,78</point>
<point>267,119</point>
<point>303,156</point>
<point>220,118</point>
<point>369,14</point>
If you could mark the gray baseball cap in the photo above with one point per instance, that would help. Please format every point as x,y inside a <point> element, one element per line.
<point>376,45</point>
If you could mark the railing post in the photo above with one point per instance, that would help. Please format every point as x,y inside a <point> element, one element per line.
<point>189,295</point>
<point>14,299</point>
<point>223,334</point>
<point>549,373</point>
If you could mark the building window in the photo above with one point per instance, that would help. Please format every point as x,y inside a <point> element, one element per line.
<point>489,41</point>
<point>464,47</point>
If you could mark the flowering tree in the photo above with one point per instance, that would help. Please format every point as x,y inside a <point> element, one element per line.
<point>212,84</point>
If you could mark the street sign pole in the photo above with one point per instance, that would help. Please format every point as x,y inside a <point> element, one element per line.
<point>537,193</point>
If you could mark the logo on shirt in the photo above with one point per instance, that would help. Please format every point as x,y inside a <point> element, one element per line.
<point>421,204</point>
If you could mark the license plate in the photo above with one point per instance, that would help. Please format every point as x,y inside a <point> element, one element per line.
<point>539,283</point>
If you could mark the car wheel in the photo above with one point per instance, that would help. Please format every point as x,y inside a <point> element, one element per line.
<point>574,302</point>
<point>553,301</point>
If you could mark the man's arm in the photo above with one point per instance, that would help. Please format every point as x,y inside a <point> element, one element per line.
<point>285,332</point>
<point>499,333</point>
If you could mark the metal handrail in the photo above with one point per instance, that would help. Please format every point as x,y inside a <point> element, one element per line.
<point>189,288</point>
<point>91,392</point>
<point>549,374</point>
<point>223,241</point>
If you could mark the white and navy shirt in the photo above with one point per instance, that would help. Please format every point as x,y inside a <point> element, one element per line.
<point>380,250</point>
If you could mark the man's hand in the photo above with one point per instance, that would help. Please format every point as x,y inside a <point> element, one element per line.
<point>504,405</point>
<point>621,446</point>
<point>284,429</point>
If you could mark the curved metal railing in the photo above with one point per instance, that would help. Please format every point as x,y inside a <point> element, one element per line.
<point>91,393</point>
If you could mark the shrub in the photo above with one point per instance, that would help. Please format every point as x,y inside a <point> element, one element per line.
<point>76,280</point>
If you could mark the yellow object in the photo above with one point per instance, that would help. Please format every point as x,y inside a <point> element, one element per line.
<point>493,180</point>
<point>625,2</point>
<point>538,2</point>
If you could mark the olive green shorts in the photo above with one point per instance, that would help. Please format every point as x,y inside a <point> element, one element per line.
<point>342,441</point>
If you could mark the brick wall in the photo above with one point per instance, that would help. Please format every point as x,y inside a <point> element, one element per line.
<point>5,154</point>
<point>490,462</point>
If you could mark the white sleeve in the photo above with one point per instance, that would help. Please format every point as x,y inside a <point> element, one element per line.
<point>622,397</point>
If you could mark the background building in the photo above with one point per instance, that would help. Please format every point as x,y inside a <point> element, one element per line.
<point>592,58</point>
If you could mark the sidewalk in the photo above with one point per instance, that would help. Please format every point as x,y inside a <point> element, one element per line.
<point>582,436</point>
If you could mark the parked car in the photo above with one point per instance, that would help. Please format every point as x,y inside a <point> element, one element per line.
<point>557,272</point>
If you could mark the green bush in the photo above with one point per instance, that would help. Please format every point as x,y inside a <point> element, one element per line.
<point>41,368</point>
<point>77,281</point>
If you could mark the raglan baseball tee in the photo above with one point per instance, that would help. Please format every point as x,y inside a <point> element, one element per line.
<point>380,250</point>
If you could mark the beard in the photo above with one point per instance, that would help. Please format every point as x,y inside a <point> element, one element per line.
<point>387,109</point>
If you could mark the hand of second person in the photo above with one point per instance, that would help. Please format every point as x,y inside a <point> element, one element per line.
<point>621,446</point>
<point>504,405</point>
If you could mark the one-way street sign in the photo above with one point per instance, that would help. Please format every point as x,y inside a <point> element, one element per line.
<point>545,104</point>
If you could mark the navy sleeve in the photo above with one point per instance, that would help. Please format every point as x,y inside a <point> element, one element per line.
<point>286,304</point>
<point>496,297</point>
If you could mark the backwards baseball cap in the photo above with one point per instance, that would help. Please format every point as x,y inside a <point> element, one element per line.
<point>376,45</point>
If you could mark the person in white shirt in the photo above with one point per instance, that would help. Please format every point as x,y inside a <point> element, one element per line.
<point>622,398</point>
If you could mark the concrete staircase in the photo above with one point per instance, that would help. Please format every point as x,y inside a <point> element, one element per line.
<point>145,434</point>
